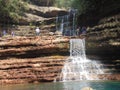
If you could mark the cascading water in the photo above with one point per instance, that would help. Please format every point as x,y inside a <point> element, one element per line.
<point>61,26</point>
<point>66,24</point>
<point>77,66</point>
<point>73,28</point>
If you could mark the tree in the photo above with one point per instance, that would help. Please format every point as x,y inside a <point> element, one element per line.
<point>84,6</point>
<point>43,2</point>
<point>63,3</point>
<point>11,9</point>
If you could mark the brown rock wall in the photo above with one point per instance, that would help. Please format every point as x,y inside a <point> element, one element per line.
<point>30,70</point>
<point>35,46</point>
<point>36,68</point>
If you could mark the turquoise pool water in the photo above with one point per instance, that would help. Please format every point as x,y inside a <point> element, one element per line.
<point>78,85</point>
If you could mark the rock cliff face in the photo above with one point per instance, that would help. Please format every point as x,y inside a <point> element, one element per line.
<point>36,59</point>
<point>35,70</point>
<point>37,14</point>
<point>31,59</point>
<point>29,47</point>
<point>14,71</point>
<point>40,58</point>
<point>105,35</point>
<point>103,40</point>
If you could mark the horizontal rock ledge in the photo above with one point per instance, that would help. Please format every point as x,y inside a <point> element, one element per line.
<point>33,46</point>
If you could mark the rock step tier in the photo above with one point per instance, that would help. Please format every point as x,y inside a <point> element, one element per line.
<point>103,41</point>
<point>30,70</point>
<point>34,70</point>
<point>38,59</point>
<point>32,46</point>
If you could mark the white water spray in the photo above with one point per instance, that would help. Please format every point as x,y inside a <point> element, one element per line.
<point>77,66</point>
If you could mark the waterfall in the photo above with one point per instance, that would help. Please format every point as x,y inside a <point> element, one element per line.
<point>73,27</point>
<point>56,23</point>
<point>62,27</point>
<point>66,24</point>
<point>77,66</point>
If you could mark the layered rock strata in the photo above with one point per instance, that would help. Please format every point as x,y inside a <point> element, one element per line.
<point>38,59</point>
<point>34,70</point>
<point>35,46</point>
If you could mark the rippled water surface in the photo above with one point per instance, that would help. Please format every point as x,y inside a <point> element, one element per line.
<point>78,85</point>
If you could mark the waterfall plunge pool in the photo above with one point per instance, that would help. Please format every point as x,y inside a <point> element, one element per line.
<point>73,85</point>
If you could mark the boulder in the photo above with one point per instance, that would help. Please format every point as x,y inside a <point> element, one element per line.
<point>87,88</point>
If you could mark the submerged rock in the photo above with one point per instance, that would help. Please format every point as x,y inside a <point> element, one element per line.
<point>87,88</point>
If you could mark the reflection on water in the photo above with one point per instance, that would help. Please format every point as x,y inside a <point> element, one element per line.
<point>96,85</point>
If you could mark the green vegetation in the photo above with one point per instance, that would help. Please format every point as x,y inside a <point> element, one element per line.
<point>42,2</point>
<point>11,9</point>
<point>63,3</point>
<point>85,6</point>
